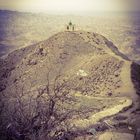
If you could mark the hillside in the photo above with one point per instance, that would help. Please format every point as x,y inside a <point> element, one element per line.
<point>84,67</point>
<point>18,30</point>
<point>68,50</point>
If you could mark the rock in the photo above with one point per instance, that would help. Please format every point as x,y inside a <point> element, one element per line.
<point>92,131</point>
<point>82,73</point>
<point>32,62</point>
<point>110,94</point>
<point>42,52</point>
<point>120,117</point>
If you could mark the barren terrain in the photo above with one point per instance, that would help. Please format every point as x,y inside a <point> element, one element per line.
<point>19,30</point>
<point>80,78</point>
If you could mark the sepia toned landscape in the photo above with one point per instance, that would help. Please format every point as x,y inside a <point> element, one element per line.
<point>23,29</point>
<point>69,76</point>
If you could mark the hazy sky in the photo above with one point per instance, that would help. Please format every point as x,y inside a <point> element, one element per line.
<point>70,5</point>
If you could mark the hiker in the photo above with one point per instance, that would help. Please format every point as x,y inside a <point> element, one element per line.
<point>67,27</point>
<point>70,26</point>
<point>73,27</point>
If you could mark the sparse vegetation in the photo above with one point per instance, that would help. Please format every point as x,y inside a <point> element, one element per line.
<point>40,115</point>
<point>60,88</point>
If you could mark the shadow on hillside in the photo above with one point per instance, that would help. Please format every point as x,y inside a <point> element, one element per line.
<point>135,76</point>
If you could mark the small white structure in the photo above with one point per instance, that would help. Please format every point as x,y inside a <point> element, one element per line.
<point>82,73</point>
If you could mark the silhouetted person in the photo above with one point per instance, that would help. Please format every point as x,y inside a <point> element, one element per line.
<point>73,28</point>
<point>68,28</point>
<point>70,23</point>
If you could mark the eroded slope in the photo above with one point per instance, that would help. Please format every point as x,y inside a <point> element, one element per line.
<point>88,63</point>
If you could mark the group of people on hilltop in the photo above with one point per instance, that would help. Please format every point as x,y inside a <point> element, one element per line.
<point>70,26</point>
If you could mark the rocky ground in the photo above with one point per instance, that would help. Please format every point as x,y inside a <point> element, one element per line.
<point>18,30</point>
<point>99,80</point>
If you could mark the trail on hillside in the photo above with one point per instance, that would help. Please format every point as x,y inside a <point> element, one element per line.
<point>107,112</point>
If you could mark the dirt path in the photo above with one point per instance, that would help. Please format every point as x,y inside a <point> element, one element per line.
<point>128,88</point>
<point>107,112</point>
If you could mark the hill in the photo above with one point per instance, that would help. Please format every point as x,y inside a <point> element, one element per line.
<point>18,29</point>
<point>80,71</point>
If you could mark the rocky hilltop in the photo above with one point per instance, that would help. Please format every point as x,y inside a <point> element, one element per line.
<point>84,65</point>
<point>21,29</point>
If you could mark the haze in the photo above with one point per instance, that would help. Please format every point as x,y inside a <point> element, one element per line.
<point>70,6</point>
